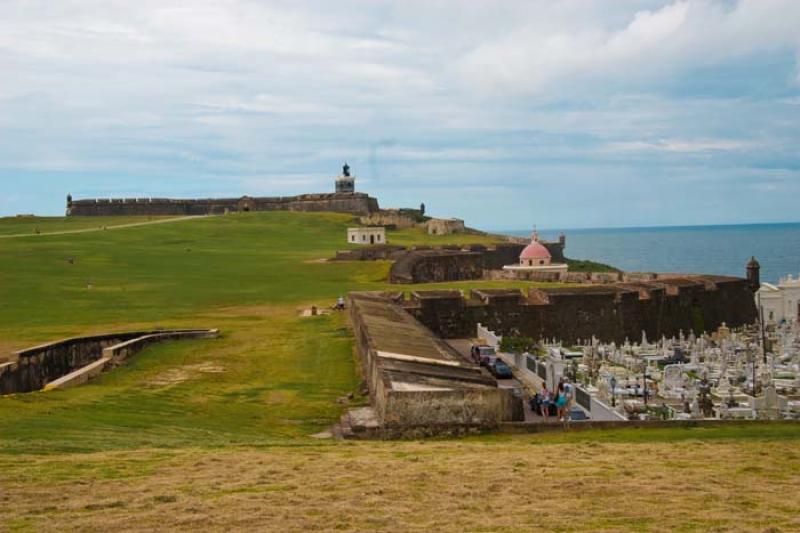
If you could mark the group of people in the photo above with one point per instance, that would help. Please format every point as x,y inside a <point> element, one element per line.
<point>560,399</point>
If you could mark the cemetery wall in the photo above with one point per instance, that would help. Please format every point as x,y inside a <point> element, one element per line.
<point>609,312</point>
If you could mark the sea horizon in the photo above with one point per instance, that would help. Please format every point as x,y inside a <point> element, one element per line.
<point>721,249</point>
<point>516,232</point>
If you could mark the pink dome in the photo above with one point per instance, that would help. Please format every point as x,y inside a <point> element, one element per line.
<point>535,250</point>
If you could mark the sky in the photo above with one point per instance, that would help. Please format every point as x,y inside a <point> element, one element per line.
<point>509,114</point>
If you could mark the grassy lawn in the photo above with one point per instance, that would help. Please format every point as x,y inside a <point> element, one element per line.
<point>215,434</point>
<point>696,484</point>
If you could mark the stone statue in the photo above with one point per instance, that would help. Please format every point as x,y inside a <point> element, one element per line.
<point>346,169</point>
<point>704,400</point>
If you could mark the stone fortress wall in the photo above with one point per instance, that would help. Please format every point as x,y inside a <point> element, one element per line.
<point>418,384</point>
<point>355,203</point>
<point>461,263</point>
<point>662,306</point>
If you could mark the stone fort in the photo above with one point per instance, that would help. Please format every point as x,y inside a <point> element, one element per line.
<point>343,200</point>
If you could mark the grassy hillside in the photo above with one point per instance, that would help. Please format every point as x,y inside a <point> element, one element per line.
<point>25,225</point>
<point>216,433</point>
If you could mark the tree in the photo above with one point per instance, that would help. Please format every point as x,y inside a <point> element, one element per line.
<point>517,344</point>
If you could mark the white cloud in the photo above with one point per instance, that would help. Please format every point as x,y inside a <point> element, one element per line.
<point>652,45</point>
<point>682,145</point>
<point>261,95</point>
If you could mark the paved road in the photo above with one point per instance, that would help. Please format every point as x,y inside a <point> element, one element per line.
<point>103,228</point>
<point>462,346</point>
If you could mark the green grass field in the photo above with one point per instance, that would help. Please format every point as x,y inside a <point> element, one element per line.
<point>217,433</point>
<point>25,225</point>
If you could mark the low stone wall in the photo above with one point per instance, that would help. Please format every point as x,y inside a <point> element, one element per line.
<point>564,277</point>
<point>80,376</point>
<point>393,218</point>
<point>119,353</point>
<point>371,253</point>
<point>38,366</point>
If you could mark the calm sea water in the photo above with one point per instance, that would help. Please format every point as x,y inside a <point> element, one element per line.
<point>698,249</point>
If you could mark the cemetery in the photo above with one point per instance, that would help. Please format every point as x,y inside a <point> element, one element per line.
<point>729,374</point>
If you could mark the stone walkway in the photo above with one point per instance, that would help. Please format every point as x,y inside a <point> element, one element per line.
<point>104,228</point>
<point>462,346</point>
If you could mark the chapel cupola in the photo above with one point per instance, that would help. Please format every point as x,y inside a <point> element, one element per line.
<point>535,254</point>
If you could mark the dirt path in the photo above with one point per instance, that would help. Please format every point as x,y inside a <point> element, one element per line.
<point>104,228</point>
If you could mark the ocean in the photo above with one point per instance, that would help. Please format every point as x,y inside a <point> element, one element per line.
<point>720,250</point>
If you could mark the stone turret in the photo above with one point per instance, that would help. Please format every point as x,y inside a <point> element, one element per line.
<point>754,274</point>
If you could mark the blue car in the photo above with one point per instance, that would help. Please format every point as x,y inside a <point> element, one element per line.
<point>500,370</point>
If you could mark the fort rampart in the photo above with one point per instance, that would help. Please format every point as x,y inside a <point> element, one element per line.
<point>663,306</point>
<point>354,203</point>
<point>460,263</point>
<point>416,381</point>
<point>41,365</point>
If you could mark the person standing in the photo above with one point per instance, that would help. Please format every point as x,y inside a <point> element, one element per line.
<point>544,402</point>
<point>569,398</point>
<point>561,400</point>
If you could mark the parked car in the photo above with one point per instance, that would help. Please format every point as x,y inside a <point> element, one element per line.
<point>577,414</point>
<point>482,354</point>
<point>500,370</point>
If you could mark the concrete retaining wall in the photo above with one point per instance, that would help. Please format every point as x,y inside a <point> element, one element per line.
<point>38,366</point>
<point>119,353</point>
<point>480,408</point>
<point>445,392</point>
<point>80,376</point>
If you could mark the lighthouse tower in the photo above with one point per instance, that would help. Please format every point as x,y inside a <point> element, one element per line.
<point>346,183</point>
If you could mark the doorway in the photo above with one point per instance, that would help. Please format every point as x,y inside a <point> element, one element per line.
<point>372,239</point>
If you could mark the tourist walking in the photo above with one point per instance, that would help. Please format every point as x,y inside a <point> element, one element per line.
<point>544,402</point>
<point>561,401</point>
<point>569,398</point>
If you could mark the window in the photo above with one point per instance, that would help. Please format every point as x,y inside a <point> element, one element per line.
<point>541,261</point>
<point>353,238</point>
<point>363,238</point>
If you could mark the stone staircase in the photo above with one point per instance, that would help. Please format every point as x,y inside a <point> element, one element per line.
<point>359,423</point>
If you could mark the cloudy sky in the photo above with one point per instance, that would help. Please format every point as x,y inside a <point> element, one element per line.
<point>557,113</point>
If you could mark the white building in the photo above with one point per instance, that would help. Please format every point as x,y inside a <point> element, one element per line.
<point>366,235</point>
<point>536,258</point>
<point>780,302</point>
